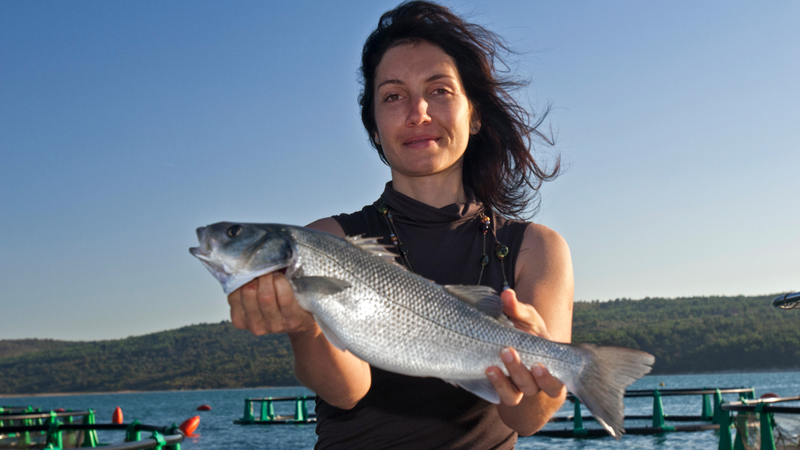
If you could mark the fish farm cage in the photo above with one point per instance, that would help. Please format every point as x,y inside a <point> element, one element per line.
<point>761,424</point>
<point>31,428</point>
<point>268,415</point>
<point>708,419</point>
<point>660,422</point>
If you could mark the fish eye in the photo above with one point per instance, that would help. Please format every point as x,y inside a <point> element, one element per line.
<point>234,231</point>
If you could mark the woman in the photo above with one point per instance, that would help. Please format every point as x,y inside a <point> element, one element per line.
<point>458,149</point>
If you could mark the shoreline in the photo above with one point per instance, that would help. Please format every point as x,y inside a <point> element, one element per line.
<point>70,394</point>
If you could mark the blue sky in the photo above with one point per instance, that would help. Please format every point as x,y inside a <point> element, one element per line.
<point>126,125</point>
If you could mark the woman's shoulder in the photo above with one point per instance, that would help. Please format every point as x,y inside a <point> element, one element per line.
<point>542,245</point>
<point>363,222</point>
<point>543,236</point>
<point>328,225</point>
<point>530,235</point>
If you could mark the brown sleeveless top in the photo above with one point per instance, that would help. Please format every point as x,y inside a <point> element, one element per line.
<point>402,412</point>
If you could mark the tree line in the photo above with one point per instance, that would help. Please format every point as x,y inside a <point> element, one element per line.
<point>686,335</point>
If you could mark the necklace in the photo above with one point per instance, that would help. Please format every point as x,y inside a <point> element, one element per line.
<point>485,226</point>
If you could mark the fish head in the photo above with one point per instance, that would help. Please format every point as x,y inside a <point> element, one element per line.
<point>236,253</point>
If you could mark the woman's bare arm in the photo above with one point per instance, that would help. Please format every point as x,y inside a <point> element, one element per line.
<point>540,304</point>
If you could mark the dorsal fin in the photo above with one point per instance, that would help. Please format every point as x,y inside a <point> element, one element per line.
<point>373,246</point>
<point>482,298</point>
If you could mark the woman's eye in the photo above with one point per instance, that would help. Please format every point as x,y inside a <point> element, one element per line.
<point>234,231</point>
<point>440,91</point>
<point>392,97</point>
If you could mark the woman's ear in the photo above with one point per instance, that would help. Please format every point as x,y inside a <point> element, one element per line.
<point>474,126</point>
<point>474,121</point>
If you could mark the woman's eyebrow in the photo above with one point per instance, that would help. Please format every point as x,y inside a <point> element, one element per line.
<point>393,81</point>
<point>439,76</point>
<point>433,77</point>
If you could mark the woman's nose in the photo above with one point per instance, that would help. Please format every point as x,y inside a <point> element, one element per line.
<point>418,112</point>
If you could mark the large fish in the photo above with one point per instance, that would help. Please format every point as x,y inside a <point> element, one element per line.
<point>401,322</point>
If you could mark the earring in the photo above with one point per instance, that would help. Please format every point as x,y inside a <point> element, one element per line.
<point>377,140</point>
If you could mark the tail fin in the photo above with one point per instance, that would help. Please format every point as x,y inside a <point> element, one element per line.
<point>601,385</point>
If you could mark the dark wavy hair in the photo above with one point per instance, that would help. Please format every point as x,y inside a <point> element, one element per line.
<point>498,165</point>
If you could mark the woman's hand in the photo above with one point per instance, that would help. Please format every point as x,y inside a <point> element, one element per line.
<point>522,381</point>
<point>267,305</point>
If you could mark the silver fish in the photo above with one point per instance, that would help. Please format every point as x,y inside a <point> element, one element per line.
<point>395,320</point>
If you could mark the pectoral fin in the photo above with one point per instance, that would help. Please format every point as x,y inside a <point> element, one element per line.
<point>319,286</point>
<point>482,298</point>
<point>308,288</point>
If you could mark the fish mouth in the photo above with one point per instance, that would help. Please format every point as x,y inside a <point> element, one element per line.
<point>213,266</point>
<point>228,278</point>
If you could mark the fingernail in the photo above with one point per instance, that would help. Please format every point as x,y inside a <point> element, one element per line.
<point>506,355</point>
<point>537,370</point>
<point>491,374</point>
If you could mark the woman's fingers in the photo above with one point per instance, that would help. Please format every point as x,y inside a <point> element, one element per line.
<point>519,374</point>
<point>508,392</point>
<point>254,318</point>
<point>518,383</point>
<point>293,316</point>
<point>237,311</point>
<point>551,385</point>
<point>267,305</point>
<point>267,302</point>
<point>521,381</point>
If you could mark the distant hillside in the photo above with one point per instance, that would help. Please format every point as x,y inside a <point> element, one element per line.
<point>24,346</point>
<point>697,334</point>
<point>204,356</point>
<point>700,334</point>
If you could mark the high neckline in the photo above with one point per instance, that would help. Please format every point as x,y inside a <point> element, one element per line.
<point>406,209</point>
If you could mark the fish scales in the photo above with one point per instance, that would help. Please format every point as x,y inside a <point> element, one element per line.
<point>437,347</point>
<point>401,322</point>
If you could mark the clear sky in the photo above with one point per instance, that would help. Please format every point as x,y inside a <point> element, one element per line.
<point>126,125</point>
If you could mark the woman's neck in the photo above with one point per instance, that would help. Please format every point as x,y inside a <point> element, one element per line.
<point>437,190</point>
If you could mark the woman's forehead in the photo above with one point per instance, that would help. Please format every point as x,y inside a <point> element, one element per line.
<point>415,61</point>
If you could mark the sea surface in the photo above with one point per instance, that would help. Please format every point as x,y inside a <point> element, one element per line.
<point>217,430</point>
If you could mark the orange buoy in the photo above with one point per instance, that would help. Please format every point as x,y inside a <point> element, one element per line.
<point>204,408</point>
<point>117,416</point>
<point>189,425</point>
<point>60,410</point>
<point>770,395</point>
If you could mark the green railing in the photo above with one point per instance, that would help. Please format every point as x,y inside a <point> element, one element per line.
<point>268,416</point>
<point>765,408</point>
<point>68,433</point>
<point>710,413</point>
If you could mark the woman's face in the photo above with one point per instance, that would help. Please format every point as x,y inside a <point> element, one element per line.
<point>421,109</point>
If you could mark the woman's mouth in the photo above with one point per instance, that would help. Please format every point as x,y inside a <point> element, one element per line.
<point>420,141</point>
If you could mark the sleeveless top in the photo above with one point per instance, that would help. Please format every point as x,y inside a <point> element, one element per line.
<point>402,412</point>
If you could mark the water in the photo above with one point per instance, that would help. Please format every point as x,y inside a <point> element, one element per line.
<point>217,431</point>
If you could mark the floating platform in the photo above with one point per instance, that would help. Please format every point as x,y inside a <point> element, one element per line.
<point>268,416</point>
<point>709,418</point>
<point>72,429</point>
<point>765,409</point>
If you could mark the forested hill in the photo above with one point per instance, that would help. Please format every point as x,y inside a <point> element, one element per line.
<point>207,356</point>
<point>698,334</point>
<point>701,334</point>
